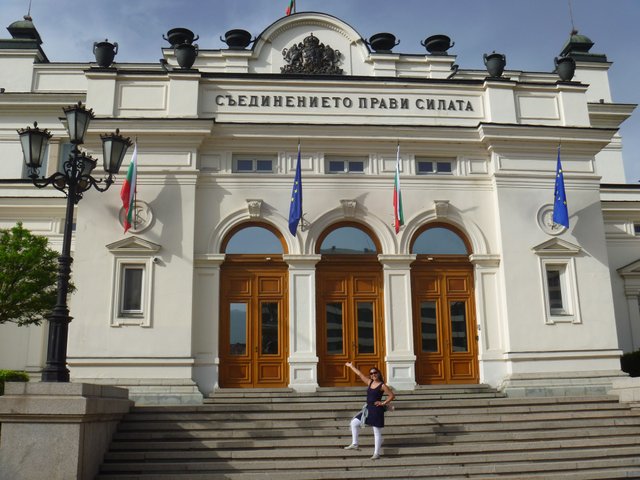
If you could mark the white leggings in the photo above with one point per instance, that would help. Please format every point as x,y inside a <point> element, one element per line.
<point>377,435</point>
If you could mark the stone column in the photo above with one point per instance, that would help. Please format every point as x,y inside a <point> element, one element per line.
<point>206,321</point>
<point>398,319</point>
<point>492,327</point>
<point>57,430</point>
<point>303,357</point>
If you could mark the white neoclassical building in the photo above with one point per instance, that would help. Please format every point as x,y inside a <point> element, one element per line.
<point>209,289</point>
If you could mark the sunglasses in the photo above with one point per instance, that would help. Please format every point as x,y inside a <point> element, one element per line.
<point>373,373</point>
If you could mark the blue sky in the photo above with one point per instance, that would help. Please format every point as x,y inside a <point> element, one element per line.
<point>529,32</point>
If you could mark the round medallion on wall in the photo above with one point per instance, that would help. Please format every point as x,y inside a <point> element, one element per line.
<point>545,221</point>
<point>142,217</point>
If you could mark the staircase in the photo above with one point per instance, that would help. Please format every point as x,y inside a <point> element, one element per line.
<point>447,432</point>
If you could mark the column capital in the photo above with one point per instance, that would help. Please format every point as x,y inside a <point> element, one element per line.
<point>301,261</point>
<point>485,260</point>
<point>396,261</point>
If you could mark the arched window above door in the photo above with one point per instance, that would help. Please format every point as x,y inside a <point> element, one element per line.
<point>439,240</point>
<point>253,239</point>
<point>348,240</point>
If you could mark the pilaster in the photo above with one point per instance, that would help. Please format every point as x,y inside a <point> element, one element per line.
<point>303,358</point>
<point>400,358</point>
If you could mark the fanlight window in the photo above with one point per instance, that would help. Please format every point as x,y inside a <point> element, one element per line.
<point>254,240</point>
<point>439,241</point>
<point>348,241</point>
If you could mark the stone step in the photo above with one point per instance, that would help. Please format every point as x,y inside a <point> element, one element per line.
<point>434,433</point>
<point>283,404</point>
<point>396,418</point>
<point>399,467</point>
<point>266,429</point>
<point>402,459</point>
<point>422,450</point>
<point>343,437</point>
<point>401,410</point>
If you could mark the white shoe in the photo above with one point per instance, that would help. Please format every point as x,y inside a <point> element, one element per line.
<point>375,456</point>
<point>353,446</point>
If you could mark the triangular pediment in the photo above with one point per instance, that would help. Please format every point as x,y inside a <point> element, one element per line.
<point>556,246</point>
<point>632,269</point>
<point>134,244</point>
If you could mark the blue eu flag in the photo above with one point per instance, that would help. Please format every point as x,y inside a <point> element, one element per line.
<point>295,210</point>
<point>560,211</point>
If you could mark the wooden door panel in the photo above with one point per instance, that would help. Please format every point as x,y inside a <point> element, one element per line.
<point>457,285</point>
<point>364,285</point>
<point>260,360</point>
<point>349,320</point>
<point>236,374</point>
<point>334,286</point>
<point>453,357</point>
<point>239,286</point>
<point>269,285</point>
<point>427,285</point>
<point>271,372</point>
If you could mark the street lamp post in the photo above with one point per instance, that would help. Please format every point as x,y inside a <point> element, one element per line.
<point>73,180</point>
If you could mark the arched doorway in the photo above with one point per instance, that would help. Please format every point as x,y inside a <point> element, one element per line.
<point>349,304</point>
<point>446,344</point>
<point>254,325</point>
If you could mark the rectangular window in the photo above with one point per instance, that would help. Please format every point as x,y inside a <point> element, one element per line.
<point>131,294</point>
<point>459,337</point>
<point>636,229</point>
<point>559,283</point>
<point>334,328</point>
<point>366,342</point>
<point>269,328</point>
<point>345,165</point>
<point>429,326</point>
<point>238,328</point>
<point>556,289</point>
<point>428,167</point>
<point>248,164</point>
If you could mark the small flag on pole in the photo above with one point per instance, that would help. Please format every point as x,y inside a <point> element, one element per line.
<point>128,190</point>
<point>291,8</point>
<point>560,210</point>
<point>295,210</point>
<point>398,215</point>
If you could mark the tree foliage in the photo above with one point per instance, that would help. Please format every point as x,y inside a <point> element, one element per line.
<point>28,276</point>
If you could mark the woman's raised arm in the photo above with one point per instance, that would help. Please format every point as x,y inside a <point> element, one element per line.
<point>362,376</point>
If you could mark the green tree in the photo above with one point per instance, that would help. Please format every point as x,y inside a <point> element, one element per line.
<point>28,276</point>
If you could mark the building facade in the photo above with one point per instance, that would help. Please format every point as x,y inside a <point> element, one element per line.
<point>210,289</point>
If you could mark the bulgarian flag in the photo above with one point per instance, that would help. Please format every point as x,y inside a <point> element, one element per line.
<point>128,191</point>
<point>291,8</point>
<point>398,216</point>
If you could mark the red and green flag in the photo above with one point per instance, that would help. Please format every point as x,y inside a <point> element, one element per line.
<point>291,8</point>
<point>128,190</point>
<point>398,215</point>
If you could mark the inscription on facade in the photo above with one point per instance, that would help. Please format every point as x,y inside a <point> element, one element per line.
<point>345,102</point>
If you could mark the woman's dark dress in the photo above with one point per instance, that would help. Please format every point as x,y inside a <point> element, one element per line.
<point>375,415</point>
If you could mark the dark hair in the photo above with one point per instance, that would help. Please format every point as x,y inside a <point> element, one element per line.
<point>378,372</point>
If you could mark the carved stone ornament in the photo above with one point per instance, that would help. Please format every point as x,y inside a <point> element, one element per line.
<point>546,223</point>
<point>255,208</point>
<point>349,208</point>
<point>311,57</point>
<point>142,217</point>
<point>441,207</point>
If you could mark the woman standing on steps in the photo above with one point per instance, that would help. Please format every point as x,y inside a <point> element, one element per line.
<point>373,412</point>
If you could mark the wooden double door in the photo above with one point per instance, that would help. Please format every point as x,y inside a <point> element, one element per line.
<point>253,324</point>
<point>444,322</point>
<point>349,319</point>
